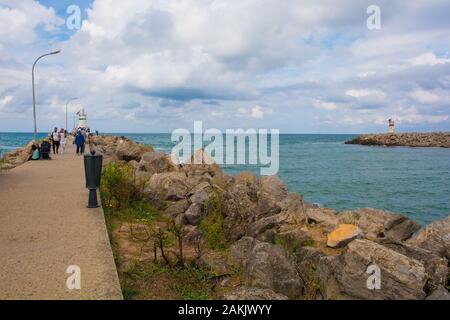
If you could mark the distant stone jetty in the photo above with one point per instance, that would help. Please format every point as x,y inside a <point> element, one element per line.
<point>409,139</point>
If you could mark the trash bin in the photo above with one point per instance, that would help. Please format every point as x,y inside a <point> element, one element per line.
<point>93,173</point>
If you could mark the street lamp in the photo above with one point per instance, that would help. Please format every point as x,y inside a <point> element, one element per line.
<point>32,81</point>
<point>66,109</point>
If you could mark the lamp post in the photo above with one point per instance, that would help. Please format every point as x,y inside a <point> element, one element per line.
<point>66,110</point>
<point>32,82</point>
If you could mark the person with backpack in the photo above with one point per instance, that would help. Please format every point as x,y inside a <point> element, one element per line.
<point>80,141</point>
<point>55,141</point>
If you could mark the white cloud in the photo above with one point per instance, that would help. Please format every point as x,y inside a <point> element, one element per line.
<point>427,59</point>
<point>423,96</point>
<point>259,112</point>
<point>5,101</point>
<point>19,19</point>
<point>361,93</point>
<point>324,105</point>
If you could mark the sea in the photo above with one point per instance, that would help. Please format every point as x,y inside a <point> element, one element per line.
<point>411,181</point>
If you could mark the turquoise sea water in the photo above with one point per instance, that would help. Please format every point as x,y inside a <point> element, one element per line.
<point>411,181</point>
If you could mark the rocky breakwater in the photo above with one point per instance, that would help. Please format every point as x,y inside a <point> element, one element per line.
<point>287,248</point>
<point>410,139</point>
<point>17,157</point>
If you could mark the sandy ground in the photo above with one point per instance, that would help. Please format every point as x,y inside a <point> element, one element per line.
<point>45,227</point>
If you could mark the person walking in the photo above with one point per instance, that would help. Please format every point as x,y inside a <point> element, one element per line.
<point>63,138</point>
<point>80,141</point>
<point>55,140</point>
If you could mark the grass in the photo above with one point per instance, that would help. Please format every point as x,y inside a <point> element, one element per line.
<point>190,283</point>
<point>292,245</point>
<point>212,225</point>
<point>119,187</point>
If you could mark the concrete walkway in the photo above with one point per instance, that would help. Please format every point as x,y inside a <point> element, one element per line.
<point>45,227</point>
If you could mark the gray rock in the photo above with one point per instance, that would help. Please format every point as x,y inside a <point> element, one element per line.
<point>323,216</point>
<point>435,266</point>
<point>194,214</point>
<point>271,190</point>
<point>156,162</point>
<point>171,185</point>
<point>267,266</point>
<point>401,277</point>
<point>240,250</point>
<point>441,293</point>
<point>239,209</point>
<point>199,197</point>
<point>176,208</point>
<point>128,150</point>
<point>380,224</point>
<point>435,237</point>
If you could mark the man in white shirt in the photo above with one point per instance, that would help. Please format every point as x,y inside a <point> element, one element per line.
<point>55,141</point>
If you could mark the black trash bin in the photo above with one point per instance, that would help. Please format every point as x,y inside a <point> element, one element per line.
<point>93,173</point>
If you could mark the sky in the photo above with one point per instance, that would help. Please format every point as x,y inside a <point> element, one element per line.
<point>300,66</point>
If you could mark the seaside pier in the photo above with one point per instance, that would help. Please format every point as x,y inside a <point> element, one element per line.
<point>46,232</point>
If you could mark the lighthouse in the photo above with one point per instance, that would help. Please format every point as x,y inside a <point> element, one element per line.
<point>82,119</point>
<point>391,125</point>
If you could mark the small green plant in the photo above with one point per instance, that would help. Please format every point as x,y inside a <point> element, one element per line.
<point>119,186</point>
<point>219,181</point>
<point>141,210</point>
<point>192,283</point>
<point>129,292</point>
<point>212,225</point>
<point>291,245</point>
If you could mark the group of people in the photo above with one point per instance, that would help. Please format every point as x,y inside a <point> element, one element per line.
<point>58,139</point>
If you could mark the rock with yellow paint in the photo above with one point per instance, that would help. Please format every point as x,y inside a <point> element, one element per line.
<point>342,235</point>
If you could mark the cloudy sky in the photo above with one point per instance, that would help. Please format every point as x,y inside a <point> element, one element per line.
<point>303,66</point>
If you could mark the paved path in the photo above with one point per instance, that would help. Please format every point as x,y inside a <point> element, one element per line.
<point>45,227</point>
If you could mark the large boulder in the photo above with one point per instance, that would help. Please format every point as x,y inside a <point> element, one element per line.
<point>176,208</point>
<point>434,237</point>
<point>271,190</point>
<point>324,217</point>
<point>318,272</point>
<point>128,150</point>
<point>156,162</point>
<point>380,224</point>
<point>435,266</point>
<point>289,219</point>
<point>401,277</point>
<point>194,214</point>
<point>244,293</point>
<point>239,208</point>
<point>441,293</point>
<point>169,185</point>
<point>267,266</point>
